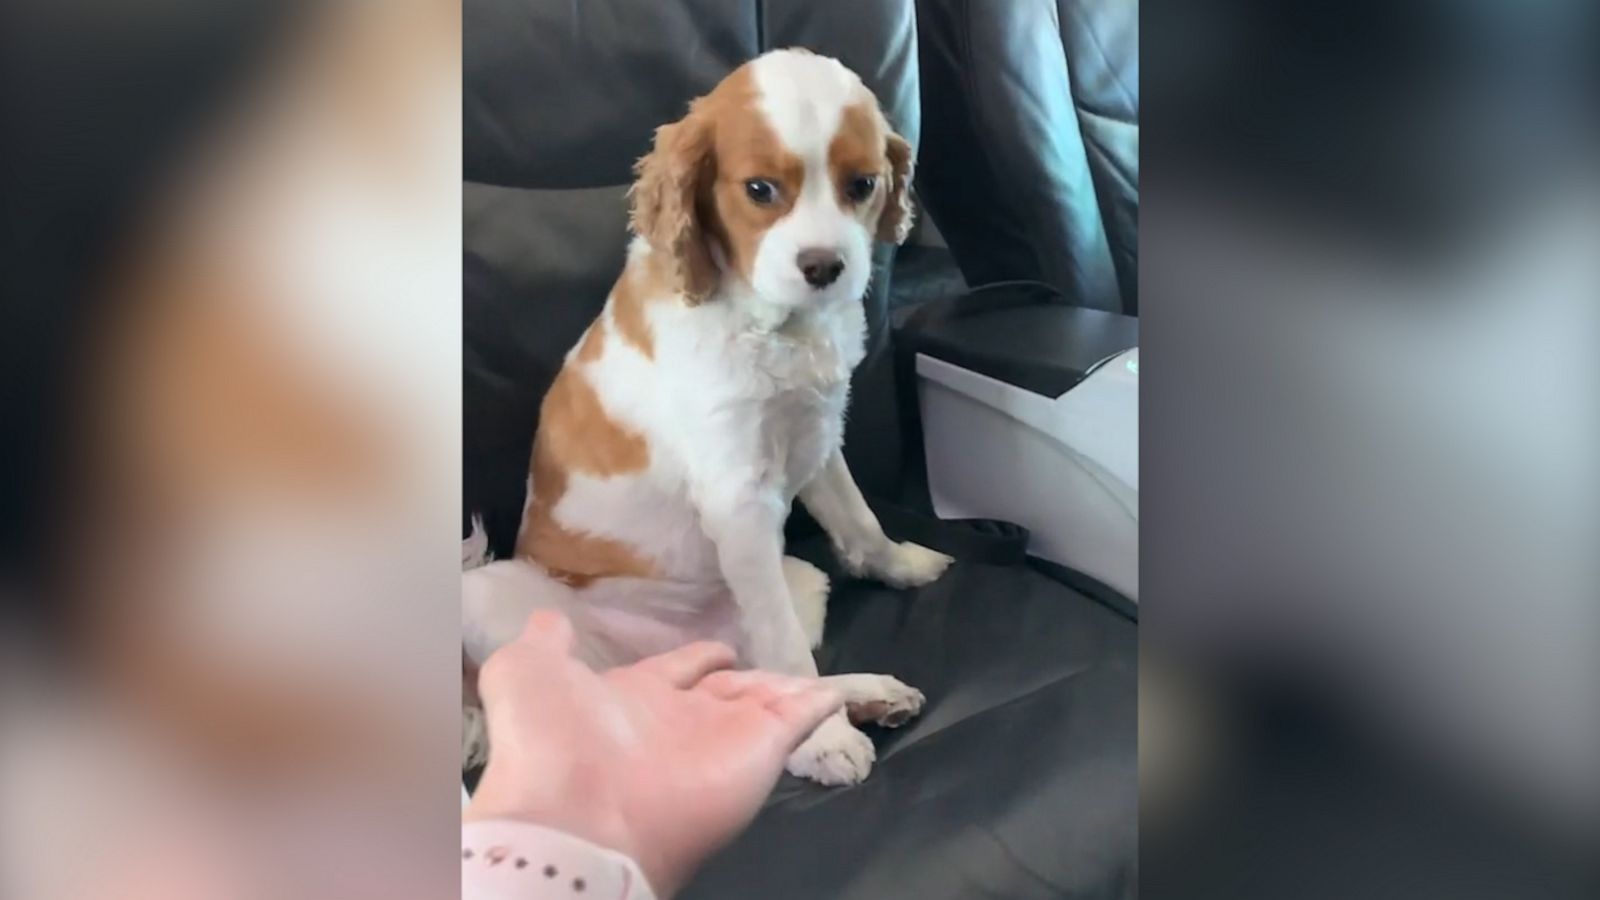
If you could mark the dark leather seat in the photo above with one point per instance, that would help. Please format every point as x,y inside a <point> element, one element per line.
<point>1019,779</point>
<point>1030,159</point>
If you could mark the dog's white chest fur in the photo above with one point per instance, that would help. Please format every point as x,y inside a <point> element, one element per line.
<point>730,406</point>
<point>799,391</point>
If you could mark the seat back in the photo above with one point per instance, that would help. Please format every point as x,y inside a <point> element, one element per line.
<point>1030,163</point>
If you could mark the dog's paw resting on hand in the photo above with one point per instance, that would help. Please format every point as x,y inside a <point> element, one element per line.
<point>889,702</point>
<point>901,565</point>
<point>836,754</point>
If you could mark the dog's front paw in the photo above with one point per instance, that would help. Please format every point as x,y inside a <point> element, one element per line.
<point>911,565</point>
<point>890,703</point>
<point>835,754</point>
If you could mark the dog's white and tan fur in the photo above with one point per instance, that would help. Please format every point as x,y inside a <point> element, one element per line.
<point>711,392</point>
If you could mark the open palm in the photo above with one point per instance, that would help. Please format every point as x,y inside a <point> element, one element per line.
<point>665,760</point>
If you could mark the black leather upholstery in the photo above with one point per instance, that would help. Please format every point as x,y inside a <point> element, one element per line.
<point>1030,163</point>
<point>1019,781</point>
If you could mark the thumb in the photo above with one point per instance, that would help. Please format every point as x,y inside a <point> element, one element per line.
<point>546,643</point>
<point>548,630</point>
<point>798,714</point>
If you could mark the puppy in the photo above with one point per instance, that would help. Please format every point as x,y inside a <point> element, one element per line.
<point>711,392</point>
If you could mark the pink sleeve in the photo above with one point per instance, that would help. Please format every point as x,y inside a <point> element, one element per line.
<point>505,860</point>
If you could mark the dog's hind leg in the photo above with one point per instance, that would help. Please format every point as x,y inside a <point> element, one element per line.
<point>808,591</point>
<point>496,600</point>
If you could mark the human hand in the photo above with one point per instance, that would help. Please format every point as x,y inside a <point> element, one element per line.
<point>665,760</point>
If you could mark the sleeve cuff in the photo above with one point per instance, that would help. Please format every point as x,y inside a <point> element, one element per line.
<point>502,860</point>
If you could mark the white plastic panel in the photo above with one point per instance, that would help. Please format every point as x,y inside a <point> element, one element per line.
<point>1066,468</point>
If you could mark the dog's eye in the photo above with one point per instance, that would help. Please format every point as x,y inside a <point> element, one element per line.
<point>860,188</point>
<point>760,191</point>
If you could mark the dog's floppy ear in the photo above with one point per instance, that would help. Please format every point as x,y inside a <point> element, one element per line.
<point>894,223</point>
<point>665,201</point>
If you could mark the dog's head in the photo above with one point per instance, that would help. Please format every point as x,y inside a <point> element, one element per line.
<point>780,177</point>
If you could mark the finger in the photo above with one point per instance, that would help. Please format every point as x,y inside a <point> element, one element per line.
<point>800,713</point>
<point>687,665</point>
<point>545,642</point>
<point>756,694</point>
<point>548,630</point>
<point>739,685</point>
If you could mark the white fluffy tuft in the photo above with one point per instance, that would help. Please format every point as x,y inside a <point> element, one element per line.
<point>475,549</point>
<point>474,732</point>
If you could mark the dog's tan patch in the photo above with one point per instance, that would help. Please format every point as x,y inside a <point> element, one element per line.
<point>747,148</point>
<point>691,187</point>
<point>640,283</point>
<point>594,342</point>
<point>576,435</point>
<point>581,433</point>
<point>864,145</point>
<point>857,149</point>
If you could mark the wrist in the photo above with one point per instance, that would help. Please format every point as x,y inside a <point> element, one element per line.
<point>584,817</point>
<point>589,816</point>
<point>505,859</point>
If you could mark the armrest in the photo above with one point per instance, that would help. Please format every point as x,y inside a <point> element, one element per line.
<point>1021,421</point>
<point>1023,334</point>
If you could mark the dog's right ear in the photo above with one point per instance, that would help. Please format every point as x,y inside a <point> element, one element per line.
<point>666,197</point>
<point>894,224</point>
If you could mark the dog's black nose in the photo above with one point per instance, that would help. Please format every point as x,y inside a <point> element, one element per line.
<point>821,267</point>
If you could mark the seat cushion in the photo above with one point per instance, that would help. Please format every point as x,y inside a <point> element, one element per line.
<point>1019,780</point>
